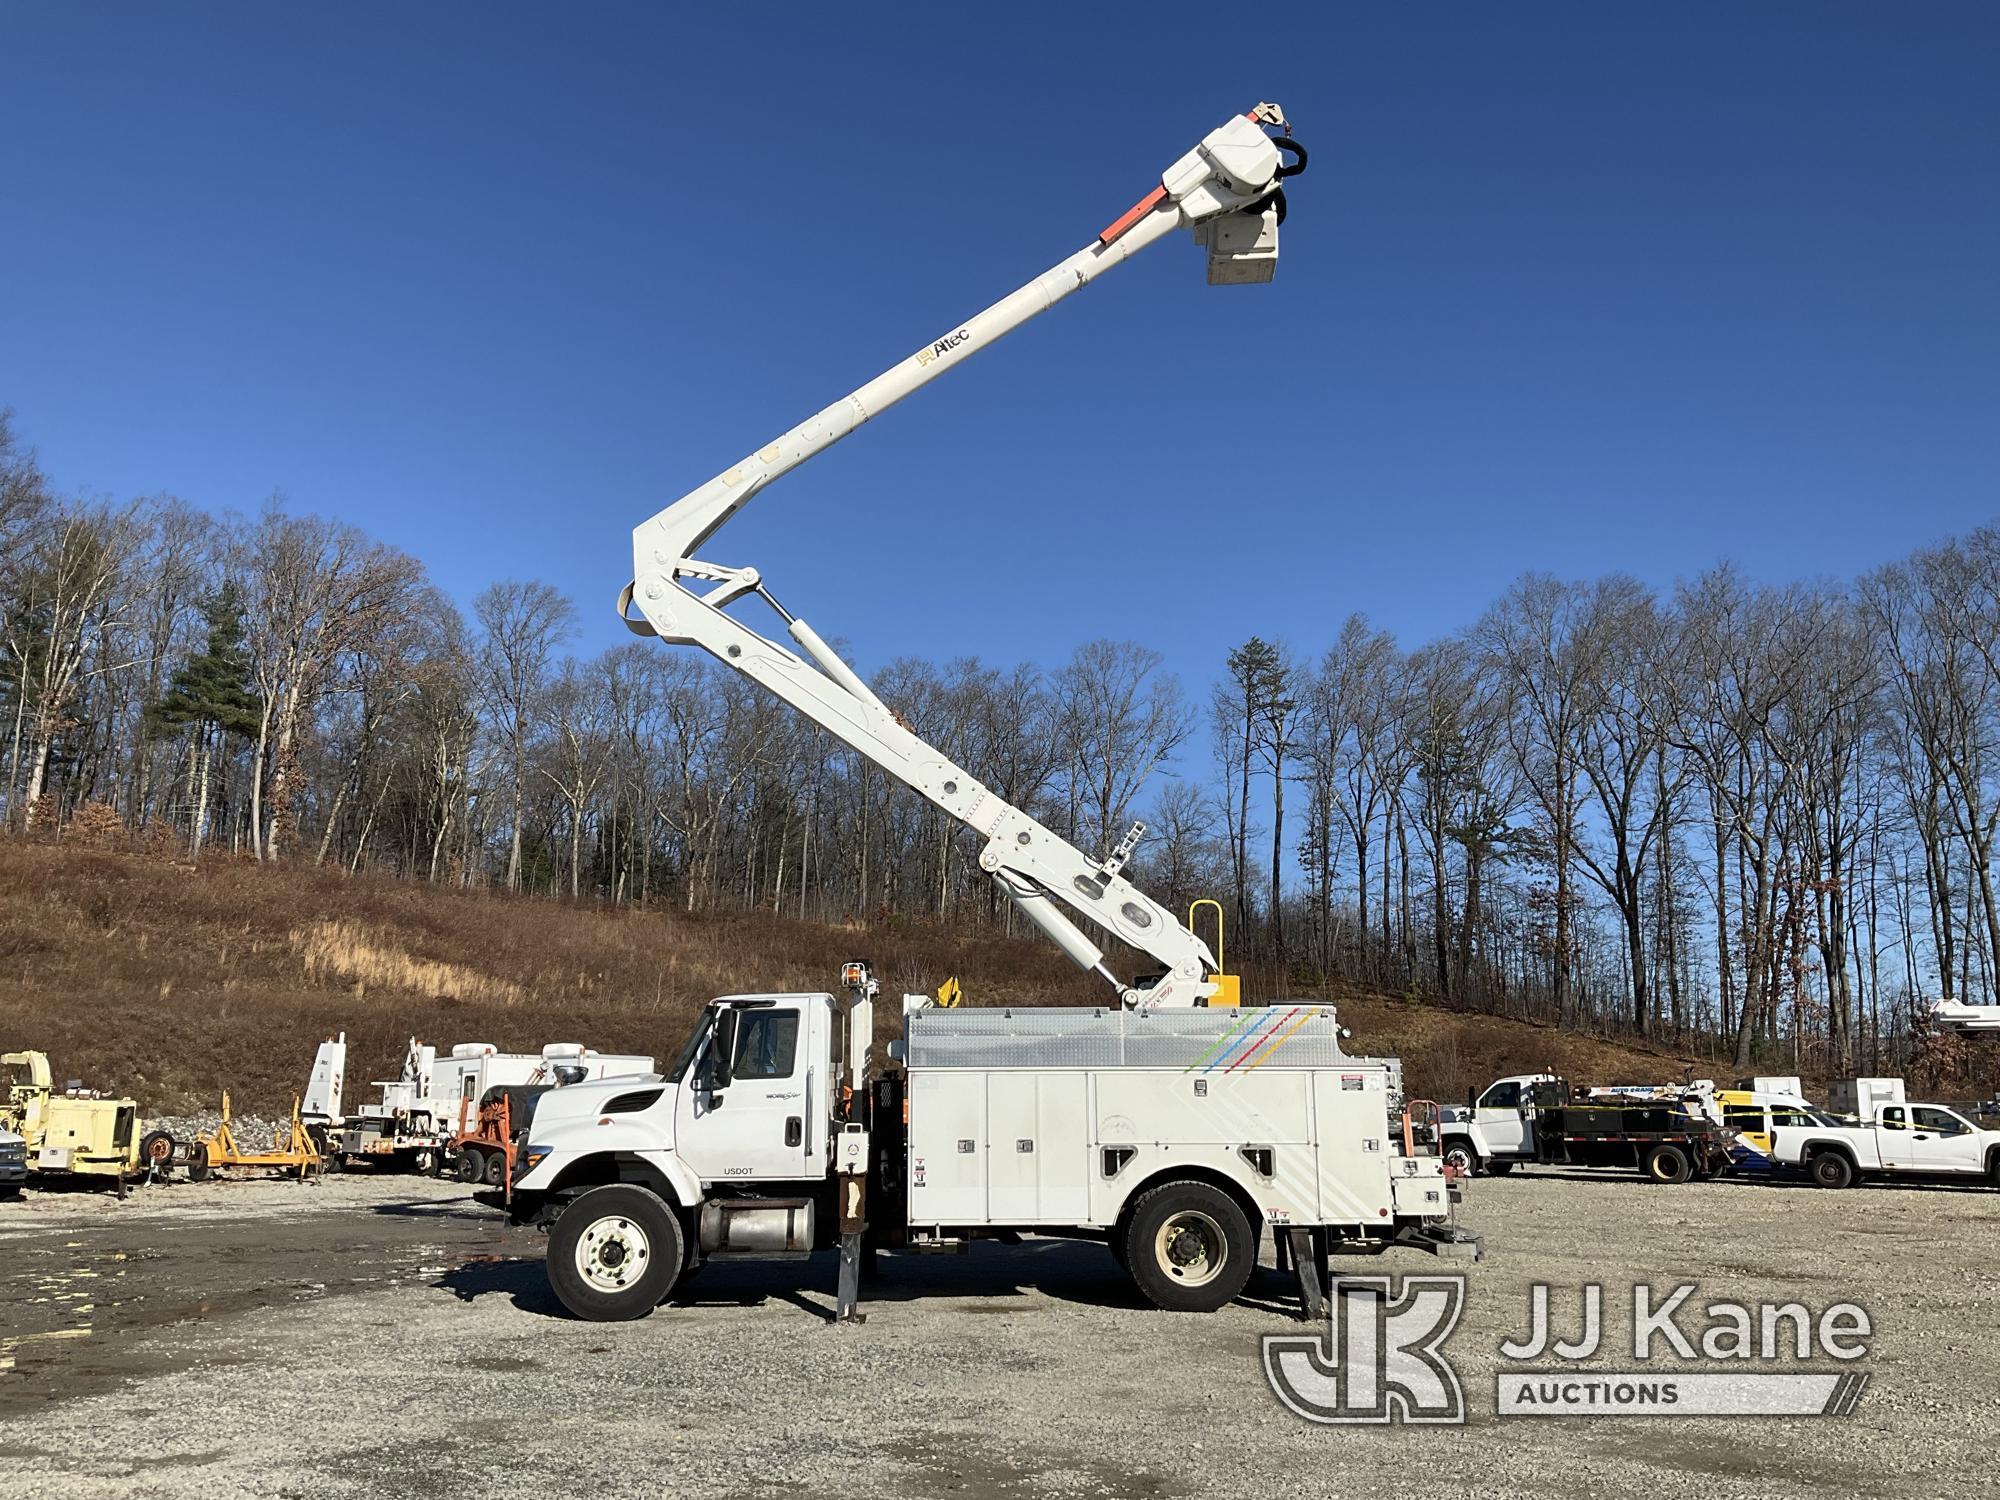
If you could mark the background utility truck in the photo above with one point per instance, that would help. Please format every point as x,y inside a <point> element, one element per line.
<point>425,1107</point>
<point>1670,1133</point>
<point>1899,1140</point>
<point>1173,1135</point>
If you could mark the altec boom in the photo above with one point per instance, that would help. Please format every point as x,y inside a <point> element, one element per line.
<point>1229,191</point>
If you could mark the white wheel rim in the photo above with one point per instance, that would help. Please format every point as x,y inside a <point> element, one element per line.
<point>1191,1248</point>
<point>1458,1159</point>
<point>612,1254</point>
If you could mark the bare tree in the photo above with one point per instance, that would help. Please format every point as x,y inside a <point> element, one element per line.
<point>521,626</point>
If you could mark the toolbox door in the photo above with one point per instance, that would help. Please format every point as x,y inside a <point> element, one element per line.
<point>947,1145</point>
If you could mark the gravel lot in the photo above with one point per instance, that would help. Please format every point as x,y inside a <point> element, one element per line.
<point>382,1336</point>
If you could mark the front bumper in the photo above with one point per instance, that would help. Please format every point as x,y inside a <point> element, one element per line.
<point>13,1173</point>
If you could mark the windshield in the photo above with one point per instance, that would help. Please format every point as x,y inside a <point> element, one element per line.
<point>679,1067</point>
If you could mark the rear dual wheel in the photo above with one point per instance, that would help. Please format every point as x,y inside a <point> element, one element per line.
<point>1668,1163</point>
<point>1189,1247</point>
<point>471,1164</point>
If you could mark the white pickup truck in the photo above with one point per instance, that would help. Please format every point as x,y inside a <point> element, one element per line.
<point>1903,1140</point>
<point>13,1163</point>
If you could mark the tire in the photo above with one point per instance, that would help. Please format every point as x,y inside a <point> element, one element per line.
<point>495,1169</point>
<point>1831,1169</point>
<point>10,1192</point>
<point>471,1164</point>
<point>428,1162</point>
<point>1499,1168</point>
<point>156,1150</point>
<point>1460,1156</point>
<point>1669,1164</point>
<point>1116,1242</point>
<point>198,1169</point>
<point>615,1253</point>
<point>1189,1247</point>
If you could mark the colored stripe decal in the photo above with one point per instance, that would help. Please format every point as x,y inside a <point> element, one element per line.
<point>1268,1036</point>
<point>1241,1021</point>
<point>1250,1041</point>
<point>1279,1043</point>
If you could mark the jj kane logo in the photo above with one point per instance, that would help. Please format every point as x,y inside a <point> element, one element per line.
<point>1382,1357</point>
<point>943,346</point>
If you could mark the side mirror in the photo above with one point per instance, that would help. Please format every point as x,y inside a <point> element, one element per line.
<point>722,1050</point>
<point>568,1073</point>
<point>1472,1097</point>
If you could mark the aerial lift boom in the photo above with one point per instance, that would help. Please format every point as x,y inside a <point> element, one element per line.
<point>1229,192</point>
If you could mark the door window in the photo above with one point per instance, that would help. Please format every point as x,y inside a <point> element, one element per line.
<point>1943,1121</point>
<point>1892,1119</point>
<point>766,1042</point>
<point>1506,1095</point>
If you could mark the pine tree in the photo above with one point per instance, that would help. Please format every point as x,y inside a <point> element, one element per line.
<point>211,693</point>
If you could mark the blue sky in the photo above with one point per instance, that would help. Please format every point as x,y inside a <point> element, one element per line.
<point>1570,287</point>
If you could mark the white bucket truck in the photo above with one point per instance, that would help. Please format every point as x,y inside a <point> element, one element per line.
<point>423,1106</point>
<point>1176,1136</point>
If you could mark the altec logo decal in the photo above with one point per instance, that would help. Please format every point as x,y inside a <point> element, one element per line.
<point>943,346</point>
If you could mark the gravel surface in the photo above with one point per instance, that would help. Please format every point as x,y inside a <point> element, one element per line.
<point>382,1336</point>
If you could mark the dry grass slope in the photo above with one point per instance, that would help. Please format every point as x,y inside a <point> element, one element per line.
<point>171,981</point>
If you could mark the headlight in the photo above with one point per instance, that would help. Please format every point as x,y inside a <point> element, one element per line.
<point>531,1158</point>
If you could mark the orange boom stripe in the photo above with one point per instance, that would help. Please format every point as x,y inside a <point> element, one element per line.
<point>1132,215</point>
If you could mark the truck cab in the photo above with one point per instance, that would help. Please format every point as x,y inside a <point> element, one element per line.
<point>1495,1128</point>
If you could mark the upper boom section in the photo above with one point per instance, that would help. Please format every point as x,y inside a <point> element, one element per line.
<point>1227,190</point>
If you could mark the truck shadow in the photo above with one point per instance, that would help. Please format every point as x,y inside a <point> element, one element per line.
<point>999,1276</point>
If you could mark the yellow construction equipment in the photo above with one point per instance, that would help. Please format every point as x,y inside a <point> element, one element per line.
<point>76,1131</point>
<point>296,1151</point>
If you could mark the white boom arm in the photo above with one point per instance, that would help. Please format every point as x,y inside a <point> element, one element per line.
<point>1227,190</point>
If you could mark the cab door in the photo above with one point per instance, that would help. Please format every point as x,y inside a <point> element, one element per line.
<point>1942,1142</point>
<point>1503,1115</point>
<point>751,1122</point>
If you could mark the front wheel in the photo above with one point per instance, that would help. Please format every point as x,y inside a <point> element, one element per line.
<point>1460,1157</point>
<point>1832,1170</point>
<point>1189,1247</point>
<point>614,1253</point>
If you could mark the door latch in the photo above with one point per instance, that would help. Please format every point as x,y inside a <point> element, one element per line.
<point>795,1131</point>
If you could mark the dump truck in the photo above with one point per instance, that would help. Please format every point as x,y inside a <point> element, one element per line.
<point>77,1131</point>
